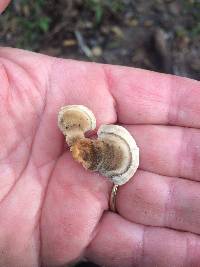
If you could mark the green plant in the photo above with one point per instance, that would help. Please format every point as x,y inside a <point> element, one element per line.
<point>191,8</point>
<point>196,30</point>
<point>30,23</point>
<point>100,7</point>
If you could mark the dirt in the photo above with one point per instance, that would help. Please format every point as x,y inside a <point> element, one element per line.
<point>158,35</point>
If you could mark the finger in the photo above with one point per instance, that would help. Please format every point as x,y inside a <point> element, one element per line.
<point>141,96</point>
<point>156,200</point>
<point>122,243</point>
<point>170,151</point>
<point>3,5</point>
<point>147,97</point>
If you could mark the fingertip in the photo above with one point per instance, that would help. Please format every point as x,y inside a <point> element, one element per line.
<point>3,5</point>
<point>147,97</point>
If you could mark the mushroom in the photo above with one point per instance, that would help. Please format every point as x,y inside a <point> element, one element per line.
<point>74,121</point>
<point>125,153</point>
<point>113,154</point>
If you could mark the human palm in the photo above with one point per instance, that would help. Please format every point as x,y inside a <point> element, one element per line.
<point>54,212</point>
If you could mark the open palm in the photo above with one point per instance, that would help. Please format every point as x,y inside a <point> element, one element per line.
<point>52,211</point>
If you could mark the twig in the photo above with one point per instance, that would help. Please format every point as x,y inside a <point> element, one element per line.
<point>86,50</point>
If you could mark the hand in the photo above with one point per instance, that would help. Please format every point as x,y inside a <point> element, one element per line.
<point>52,211</point>
<point>3,5</point>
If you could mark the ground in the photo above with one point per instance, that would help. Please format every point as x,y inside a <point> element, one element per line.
<point>160,35</point>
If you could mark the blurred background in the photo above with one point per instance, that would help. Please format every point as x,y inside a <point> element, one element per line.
<point>160,35</point>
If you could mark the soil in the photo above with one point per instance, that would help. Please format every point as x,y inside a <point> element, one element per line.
<point>159,35</point>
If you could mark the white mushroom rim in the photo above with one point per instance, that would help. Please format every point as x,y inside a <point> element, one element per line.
<point>127,144</point>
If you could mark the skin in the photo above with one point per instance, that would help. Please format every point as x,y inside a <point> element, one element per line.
<point>3,5</point>
<point>52,211</point>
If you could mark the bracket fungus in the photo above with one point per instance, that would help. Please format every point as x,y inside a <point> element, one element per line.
<point>113,154</point>
<point>74,121</point>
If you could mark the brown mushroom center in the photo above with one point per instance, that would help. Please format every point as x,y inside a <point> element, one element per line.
<point>97,154</point>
